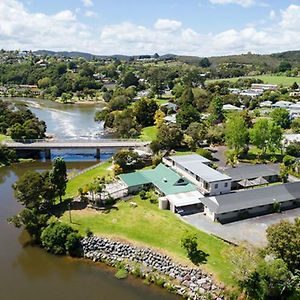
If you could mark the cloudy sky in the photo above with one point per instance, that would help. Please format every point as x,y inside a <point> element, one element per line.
<point>191,27</point>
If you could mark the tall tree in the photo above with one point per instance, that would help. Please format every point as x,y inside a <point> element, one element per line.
<point>236,133</point>
<point>281,117</point>
<point>59,177</point>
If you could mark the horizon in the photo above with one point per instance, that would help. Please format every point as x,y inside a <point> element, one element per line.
<point>199,28</point>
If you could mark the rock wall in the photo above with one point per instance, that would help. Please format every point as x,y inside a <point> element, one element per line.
<point>192,283</point>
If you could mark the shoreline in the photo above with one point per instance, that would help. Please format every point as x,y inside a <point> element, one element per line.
<point>153,267</point>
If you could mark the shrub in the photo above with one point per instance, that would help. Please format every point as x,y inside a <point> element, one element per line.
<point>122,273</point>
<point>59,239</point>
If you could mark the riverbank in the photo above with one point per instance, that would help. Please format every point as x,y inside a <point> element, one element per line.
<point>154,267</point>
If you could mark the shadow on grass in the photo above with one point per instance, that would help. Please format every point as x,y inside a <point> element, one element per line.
<point>198,257</point>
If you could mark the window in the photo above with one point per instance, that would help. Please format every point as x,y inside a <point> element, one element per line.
<point>226,184</point>
<point>216,186</point>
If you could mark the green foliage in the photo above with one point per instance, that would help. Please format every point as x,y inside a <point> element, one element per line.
<point>265,135</point>
<point>144,111</point>
<point>7,156</point>
<point>296,125</point>
<point>128,160</point>
<point>236,133</point>
<point>187,115</point>
<point>190,243</point>
<point>130,80</point>
<point>283,241</point>
<point>281,117</point>
<point>122,273</point>
<point>32,220</point>
<point>28,189</point>
<point>169,136</point>
<point>59,238</point>
<point>58,176</point>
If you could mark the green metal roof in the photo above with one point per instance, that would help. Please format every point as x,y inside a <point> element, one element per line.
<point>133,179</point>
<point>165,179</point>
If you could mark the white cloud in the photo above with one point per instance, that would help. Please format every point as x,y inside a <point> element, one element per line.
<point>291,18</point>
<point>167,25</point>
<point>272,15</point>
<point>22,29</point>
<point>244,3</point>
<point>87,3</point>
<point>90,14</point>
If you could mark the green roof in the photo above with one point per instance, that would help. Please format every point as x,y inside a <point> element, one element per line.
<point>165,179</point>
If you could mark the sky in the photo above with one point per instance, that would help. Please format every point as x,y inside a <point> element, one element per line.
<point>131,27</point>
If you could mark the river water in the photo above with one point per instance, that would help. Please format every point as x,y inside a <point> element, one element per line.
<point>28,272</point>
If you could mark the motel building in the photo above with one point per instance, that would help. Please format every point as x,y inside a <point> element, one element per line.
<point>188,184</point>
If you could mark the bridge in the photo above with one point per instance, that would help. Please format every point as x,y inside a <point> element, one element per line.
<point>47,145</point>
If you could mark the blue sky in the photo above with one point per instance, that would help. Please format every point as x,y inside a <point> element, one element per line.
<point>192,27</point>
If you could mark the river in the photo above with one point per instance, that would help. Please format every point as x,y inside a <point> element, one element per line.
<point>28,272</point>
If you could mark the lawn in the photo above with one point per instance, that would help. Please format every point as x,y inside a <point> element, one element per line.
<point>271,79</point>
<point>4,137</point>
<point>149,133</point>
<point>81,180</point>
<point>149,226</point>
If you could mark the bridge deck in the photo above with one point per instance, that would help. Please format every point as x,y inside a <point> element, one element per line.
<point>75,144</point>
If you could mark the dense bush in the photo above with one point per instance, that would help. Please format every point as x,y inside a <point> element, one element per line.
<point>59,239</point>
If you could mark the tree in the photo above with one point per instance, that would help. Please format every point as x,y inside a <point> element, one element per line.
<point>127,160</point>
<point>159,118</point>
<point>59,176</point>
<point>284,66</point>
<point>130,80</point>
<point>144,111</point>
<point>265,135</point>
<point>236,133</point>
<point>296,125</point>
<point>59,238</point>
<point>281,117</point>
<point>29,188</point>
<point>187,97</point>
<point>169,136</point>
<point>204,62</point>
<point>216,110</point>
<point>32,220</point>
<point>190,243</point>
<point>294,86</point>
<point>187,115</point>
<point>284,240</point>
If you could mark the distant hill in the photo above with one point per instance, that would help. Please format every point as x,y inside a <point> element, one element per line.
<point>271,60</point>
<point>89,56</point>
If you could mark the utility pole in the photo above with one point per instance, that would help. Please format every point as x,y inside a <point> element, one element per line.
<point>70,216</point>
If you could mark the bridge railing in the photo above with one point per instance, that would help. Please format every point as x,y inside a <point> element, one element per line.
<point>31,141</point>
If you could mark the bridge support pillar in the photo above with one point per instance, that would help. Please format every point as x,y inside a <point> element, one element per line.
<point>47,153</point>
<point>98,153</point>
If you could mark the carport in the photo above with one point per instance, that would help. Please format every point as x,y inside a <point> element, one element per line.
<point>186,203</point>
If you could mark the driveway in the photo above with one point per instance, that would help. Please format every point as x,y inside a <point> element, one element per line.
<point>251,230</point>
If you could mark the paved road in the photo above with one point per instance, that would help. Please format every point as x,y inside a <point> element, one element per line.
<point>251,230</point>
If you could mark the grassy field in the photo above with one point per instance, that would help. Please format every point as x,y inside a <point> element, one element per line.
<point>280,80</point>
<point>149,133</point>
<point>147,225</point>
<point>81,180</point>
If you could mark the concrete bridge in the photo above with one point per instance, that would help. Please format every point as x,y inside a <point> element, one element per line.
<point>47,145</point>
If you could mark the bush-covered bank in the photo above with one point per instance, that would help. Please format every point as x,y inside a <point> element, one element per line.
<point>155,268</point>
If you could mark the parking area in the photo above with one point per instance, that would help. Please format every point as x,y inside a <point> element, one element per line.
<point>251,230</point>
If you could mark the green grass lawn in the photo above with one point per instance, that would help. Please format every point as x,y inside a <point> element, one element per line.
<point>148,225</point>
<point>81,180</point>
<point>149,133</point>
<point>4,137</point>
<point>271,79</point>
